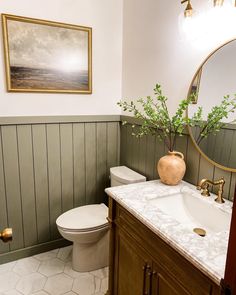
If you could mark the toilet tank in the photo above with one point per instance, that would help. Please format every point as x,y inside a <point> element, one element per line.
<point>123,175</point>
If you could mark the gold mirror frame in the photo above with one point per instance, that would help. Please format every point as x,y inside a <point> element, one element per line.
<point>189,127</point>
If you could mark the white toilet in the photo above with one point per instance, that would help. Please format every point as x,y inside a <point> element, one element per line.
<point>87,226</point>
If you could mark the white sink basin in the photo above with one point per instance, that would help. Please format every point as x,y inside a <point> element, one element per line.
<point>194,211</point>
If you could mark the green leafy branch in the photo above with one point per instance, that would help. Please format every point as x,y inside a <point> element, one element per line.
<point>156,118</point>
<point>214,123</point>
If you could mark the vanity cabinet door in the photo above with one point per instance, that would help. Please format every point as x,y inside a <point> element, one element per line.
<point>132,266</point>
<point>164,284</point>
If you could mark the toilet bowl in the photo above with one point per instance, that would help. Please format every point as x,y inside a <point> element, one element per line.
<point>87,226</point>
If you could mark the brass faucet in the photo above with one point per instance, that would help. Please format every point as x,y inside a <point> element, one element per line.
<point>204,186</point>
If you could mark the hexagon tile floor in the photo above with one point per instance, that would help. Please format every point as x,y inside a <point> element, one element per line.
<point>50,273</point>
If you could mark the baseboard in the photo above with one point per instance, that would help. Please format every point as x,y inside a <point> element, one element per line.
<point>33,250</point>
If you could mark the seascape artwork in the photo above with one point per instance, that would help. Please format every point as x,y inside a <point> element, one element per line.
<point>44,57</point>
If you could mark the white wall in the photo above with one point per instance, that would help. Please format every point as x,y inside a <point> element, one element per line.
<point>156,49</point>
<point>105,17</point>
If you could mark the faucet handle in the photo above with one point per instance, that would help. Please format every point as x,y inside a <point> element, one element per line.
<point>205,189</point>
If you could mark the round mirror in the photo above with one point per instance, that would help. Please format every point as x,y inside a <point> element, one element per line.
<point>213,89</point>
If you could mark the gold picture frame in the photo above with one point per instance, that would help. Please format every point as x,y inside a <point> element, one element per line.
<point>47,56</point>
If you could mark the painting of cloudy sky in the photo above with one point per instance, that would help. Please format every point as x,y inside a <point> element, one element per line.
<point>44,57</point>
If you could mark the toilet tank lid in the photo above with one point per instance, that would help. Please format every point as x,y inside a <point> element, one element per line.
<point>84,217</point>
<point>125,175</point>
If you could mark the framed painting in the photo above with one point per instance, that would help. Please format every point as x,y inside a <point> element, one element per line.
<point>45,56</point>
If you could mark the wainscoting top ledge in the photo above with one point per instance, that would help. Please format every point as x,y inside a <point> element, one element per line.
<point>57,119</point>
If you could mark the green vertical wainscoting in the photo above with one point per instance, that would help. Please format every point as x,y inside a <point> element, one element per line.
<point>143,153</point>
<point>49,165</point>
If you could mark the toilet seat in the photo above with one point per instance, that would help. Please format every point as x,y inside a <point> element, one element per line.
<point>84,218</point>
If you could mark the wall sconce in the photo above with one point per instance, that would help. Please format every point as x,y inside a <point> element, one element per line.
<point>188,12</point>
<point>218,2</point>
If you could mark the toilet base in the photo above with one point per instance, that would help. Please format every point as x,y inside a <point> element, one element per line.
<point>91,256</point>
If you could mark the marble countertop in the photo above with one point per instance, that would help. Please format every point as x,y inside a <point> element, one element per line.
<point>207,253</point>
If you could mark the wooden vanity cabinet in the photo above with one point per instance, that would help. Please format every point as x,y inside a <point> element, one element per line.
<point>141,263</point>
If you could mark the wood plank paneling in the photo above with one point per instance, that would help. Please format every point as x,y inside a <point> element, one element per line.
<point>159,152</point>
<point>101,134</point>
<point>3,202</point>
<point>112,146</point>
<point>182,145</point>
<point>129,151</point>
<point>123,144</point>
<point>150,156</point>
<point>192,163</point>
<point>79,164</point>
<point>41,182</point>
<point>46,169</point>
<point>51,168</point>
<point>142,152</point>
<point>135,143</point>
<point>12,180</point>
<point>27,189</point>
<point>90,161</point>
<point>67,169</point>
<point>144,155</point>
<point>206,170</point>
<point>54,176</point>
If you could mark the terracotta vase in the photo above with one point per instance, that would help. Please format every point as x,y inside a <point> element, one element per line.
<point>171,168</point>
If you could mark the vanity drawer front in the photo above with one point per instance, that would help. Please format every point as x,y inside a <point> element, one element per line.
<point>173,263</point>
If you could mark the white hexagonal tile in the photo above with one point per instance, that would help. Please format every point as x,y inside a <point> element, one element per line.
<point>70,272</point>
<point>100,273</point>
<point>8,281</point>
<point>31,283</point>
<point>51,267</point>
<point>12,292</point>
<point>84,285</point>
<point>40,293</point>
<point>26,266</point>
<point>58,284</point>
<point>65,253</point>
<point>70,293</point>
<point>4,268</point>
<point>46,256</point>
<point>97,282</point>
<point>104,285</point>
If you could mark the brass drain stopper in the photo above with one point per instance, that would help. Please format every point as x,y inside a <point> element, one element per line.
<point>200,231</point>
